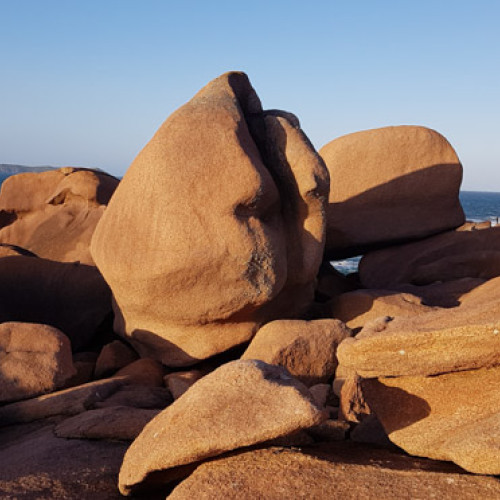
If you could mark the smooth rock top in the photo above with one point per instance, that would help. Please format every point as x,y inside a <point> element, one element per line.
<point>217,226</point>
<point>34,359</point>
<point>388,185</point>
<point>53,214</point>
<point>240,404</point>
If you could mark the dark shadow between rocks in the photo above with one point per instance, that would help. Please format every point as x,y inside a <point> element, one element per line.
<point>374,210</point>
<point>395,408</point>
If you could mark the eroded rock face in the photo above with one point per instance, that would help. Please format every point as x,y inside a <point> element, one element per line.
<point>217,226</point>
<point>391,184</point>
<point>53,214</point>
<point>305,348</point>
<point>240,404</point>
<point>34,359</point>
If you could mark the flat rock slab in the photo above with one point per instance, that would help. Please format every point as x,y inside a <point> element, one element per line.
<point>67,402</point>
<point>240,404</point>
<point>114,422</point>
<point>38,465</point>
<point>338,470</point>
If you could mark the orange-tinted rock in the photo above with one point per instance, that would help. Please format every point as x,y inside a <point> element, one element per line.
<point>113,422</point>
<point>358,307</point>
<point>144,371</point>
<point>337,470</point>
<point>216,227</point>
<point>446,257</point>
<point>240,404</point>
<point>305,348</point>
<point>66,402</point>
<point>466,337</point>
<point>112,357</point>
<point>179,382</point>
<point>54,213</point>
<point>34,359</point>
<point>391,184</point>
<point>447,417</point>
<point>69,296</point>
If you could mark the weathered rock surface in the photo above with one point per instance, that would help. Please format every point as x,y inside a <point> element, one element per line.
<point>67,402</point>
<point>447,417</point>
<point>193,273</point>
<point>34,359</point>
<point>361,306</point>
<point>69,296</point>
<point>240,404</point>
<point>466,337</point>
<point>446,257</point>
<point>113,357</point>
<point>54,213</point>
<point>305,348</point>
<point>113,422</point>
<point>391,184</point>
<point>337,470</point>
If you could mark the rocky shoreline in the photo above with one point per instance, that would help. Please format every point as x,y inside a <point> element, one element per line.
<point>181,332</point>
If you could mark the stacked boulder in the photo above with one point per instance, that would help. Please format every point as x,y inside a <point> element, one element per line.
<point>217,227</point>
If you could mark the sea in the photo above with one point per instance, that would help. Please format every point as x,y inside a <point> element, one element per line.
<point>478,206</point>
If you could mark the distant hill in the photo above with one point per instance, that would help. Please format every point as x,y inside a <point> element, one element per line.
<point>6,170</point>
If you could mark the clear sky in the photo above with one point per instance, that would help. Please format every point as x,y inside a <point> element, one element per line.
<point>88,82</point>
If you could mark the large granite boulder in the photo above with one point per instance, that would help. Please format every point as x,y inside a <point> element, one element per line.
<point>34,359</point>
<point>72,297</point>
<point>53,214</point>
<point>216,228</point>
<point>390,184</point>
<point>447,257</point>
<point>240,404</point>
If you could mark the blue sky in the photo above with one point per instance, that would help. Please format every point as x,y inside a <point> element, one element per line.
<point>88,82</point>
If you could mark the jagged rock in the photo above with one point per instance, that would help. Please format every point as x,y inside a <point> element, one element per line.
<point>199,256</point>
